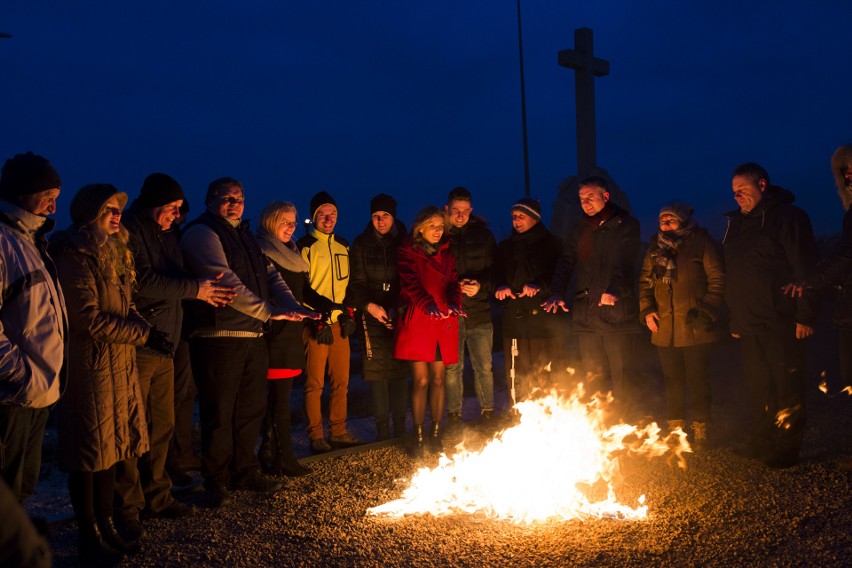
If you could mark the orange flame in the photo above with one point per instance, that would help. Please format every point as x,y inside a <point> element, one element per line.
<point>781,419</point>
<point>546,467</point>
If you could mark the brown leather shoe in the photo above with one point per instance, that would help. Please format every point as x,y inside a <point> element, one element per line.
<point>345,440</point>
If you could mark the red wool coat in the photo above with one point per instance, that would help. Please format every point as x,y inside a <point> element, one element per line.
<point>425,281</point>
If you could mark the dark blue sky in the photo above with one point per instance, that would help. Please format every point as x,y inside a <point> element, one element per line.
<point>413,98</point>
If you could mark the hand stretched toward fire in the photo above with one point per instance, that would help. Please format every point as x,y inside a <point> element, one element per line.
<point>456,311</point>
<point>530,290</point>
<point>504,292</point>
<point>803,331</point>
<point>298,314</point>
<point>794,289</point>
<point>210,290</point>
<point>555,303</point>
<point>434,312</point>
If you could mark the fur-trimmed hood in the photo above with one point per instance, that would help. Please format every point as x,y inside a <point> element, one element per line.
<point>840,160</point>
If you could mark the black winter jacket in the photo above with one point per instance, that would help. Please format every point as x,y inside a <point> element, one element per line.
<point>374,278</point>
<point>611,269</point>
<point>474,247</point>
<point>528,258</point>
<point>764,250</point>
<point>162,279</point>
<point>837,271</point>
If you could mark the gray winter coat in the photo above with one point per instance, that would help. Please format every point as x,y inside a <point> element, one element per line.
<point>33,321</point>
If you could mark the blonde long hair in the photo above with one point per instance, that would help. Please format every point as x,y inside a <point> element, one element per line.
<point>114,256</point>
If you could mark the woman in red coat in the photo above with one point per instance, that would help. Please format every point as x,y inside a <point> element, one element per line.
<point>428,331</point>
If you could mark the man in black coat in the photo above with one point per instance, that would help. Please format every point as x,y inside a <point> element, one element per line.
<point>768,243</point>
<point>162,282</point>
<point>601,254</point>
<point>474,246</point>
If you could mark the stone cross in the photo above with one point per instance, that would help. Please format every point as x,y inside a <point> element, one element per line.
<point>582,60</point>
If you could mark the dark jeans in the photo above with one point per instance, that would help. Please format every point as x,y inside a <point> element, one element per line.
<point>389,396</point>
<point>479,340</point>
<point>687,380</point>
<point>774,365</point>
<point>611,352</point>
<point>180,448</point>
<point>21,436</point>
<point>144,480</point>
<point>231,377</point>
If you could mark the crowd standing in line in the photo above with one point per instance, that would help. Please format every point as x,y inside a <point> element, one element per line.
<point>256,310</point>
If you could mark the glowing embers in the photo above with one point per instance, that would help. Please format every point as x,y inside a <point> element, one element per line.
<point>558,463</point>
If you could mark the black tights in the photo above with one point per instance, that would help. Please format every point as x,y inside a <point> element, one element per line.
<point>92,494</point>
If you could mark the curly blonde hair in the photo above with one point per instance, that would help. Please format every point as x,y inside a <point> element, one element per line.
<point>114,256</point>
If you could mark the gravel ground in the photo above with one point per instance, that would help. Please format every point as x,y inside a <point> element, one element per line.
<point>721,510</point>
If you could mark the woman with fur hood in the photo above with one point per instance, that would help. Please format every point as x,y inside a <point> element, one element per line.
<point>101,416</point>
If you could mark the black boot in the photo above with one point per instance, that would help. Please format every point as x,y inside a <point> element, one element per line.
<point>92,549</point>
<point>113,538</point>
<point>399,426</point>
<point>435,439</point>
<point>419,447</point>
<point>382,429</point>
<point>266,453</point>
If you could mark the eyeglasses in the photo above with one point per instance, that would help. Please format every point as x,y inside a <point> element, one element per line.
<point>289,224</point>
<point>668,222</point>
<point>233,200</point>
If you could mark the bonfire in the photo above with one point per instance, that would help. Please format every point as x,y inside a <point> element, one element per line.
<point>561,461</point>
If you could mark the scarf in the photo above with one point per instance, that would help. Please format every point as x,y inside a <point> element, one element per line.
<point>286,255</point>
<point>664,257</point>
<point>586,242</point>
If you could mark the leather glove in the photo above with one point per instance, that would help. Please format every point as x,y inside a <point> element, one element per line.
<point>347,325</point>
<point>323,334</point>
<point>157,341</point>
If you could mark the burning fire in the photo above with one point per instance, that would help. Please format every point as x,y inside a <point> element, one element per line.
<point>823,386</point>
<point>781,418</point>
<point>560,462</point>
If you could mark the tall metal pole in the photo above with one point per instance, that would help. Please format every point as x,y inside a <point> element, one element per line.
<point>523,106</point>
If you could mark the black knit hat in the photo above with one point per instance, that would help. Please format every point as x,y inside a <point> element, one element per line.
<point>383,202</point>
<point>320,199</point>
<point>88,202</point>
<point>529,206</point>
<point>25,174</point>
<point>158,190</point>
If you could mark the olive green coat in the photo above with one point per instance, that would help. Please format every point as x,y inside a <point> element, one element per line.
<point>699,286</point>
<point>101,414</point>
